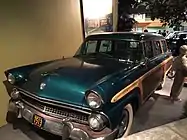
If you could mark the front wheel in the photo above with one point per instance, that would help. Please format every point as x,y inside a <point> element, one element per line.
<point>126,123</point>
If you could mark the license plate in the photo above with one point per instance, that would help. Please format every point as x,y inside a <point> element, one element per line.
<point>38,121</point>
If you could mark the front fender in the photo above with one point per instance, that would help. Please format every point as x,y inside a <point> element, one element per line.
<point>114,110</point>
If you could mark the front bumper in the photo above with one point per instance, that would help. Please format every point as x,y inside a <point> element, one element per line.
<point>61,127</point>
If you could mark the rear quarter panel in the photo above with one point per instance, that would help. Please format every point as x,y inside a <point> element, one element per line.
<point>127,88</point>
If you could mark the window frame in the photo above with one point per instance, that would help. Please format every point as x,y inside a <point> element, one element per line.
<point>100,45</point>
<point>164,44</point>
<point>145,48</point>
<point>154,48</point>
<point>83,48</point>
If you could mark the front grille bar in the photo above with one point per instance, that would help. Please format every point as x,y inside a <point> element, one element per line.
<point>55,111</point>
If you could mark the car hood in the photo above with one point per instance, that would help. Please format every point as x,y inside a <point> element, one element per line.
<point>67,80</point>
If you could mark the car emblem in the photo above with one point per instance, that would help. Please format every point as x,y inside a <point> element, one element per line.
<point>42,86</point>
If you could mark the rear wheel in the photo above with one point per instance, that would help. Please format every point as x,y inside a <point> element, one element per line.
<point>171,74</point>
<point>126,122</point>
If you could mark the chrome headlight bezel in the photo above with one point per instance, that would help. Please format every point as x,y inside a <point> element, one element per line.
<point>11,78</point>
<point>100,119</point>
<point>94,100</point>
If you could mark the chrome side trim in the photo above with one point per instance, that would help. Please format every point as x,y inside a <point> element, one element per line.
<point>53,102</point>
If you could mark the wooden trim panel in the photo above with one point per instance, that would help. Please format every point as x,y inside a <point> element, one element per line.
<point>138,82</point>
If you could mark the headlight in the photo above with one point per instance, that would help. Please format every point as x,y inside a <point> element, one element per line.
<point>97,122</point>
<point>11,78</point>
<point>15,94</point>
<point>94,100</point>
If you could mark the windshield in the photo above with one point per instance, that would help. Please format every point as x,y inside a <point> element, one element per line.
<point>121,49</point>
<point>170,35</point>
<point>178,36</point>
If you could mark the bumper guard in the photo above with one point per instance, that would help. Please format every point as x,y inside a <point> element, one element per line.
<point>62,127</point>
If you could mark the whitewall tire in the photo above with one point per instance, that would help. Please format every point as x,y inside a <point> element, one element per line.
<point>126,122</point>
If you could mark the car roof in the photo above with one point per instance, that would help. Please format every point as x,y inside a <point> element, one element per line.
<point>182,33</point>
<point>134,36</point>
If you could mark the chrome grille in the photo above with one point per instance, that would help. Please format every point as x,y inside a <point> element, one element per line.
<point>56,111</point>
<point>72,115</point>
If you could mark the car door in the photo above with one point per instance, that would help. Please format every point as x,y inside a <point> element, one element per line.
<point>166,56</point>
<point>151,78</point>
<point>158,59</point>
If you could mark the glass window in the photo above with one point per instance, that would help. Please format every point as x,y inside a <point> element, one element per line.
<point>182,35</point>
<point>106,46</point>
<point>164,46</point>
<point>148,49</point>
<point>120,49</point>
<point>170,35</point>
<point>129,50</point>
<point>178,36</point>
<point>91,46</point>
<point>157,48</point>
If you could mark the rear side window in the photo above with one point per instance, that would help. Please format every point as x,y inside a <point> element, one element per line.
<point>129,50</point>
<point>157,48</point>
<point>164,45</point>
<point>148,49</point>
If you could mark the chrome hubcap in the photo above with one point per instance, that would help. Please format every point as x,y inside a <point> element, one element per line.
<point>124,124</point>
<point>171,73</point>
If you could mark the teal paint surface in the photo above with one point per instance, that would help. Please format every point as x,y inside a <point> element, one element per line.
<point>67,80</point>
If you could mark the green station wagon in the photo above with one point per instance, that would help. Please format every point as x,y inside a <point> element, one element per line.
<point>95,94</point>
